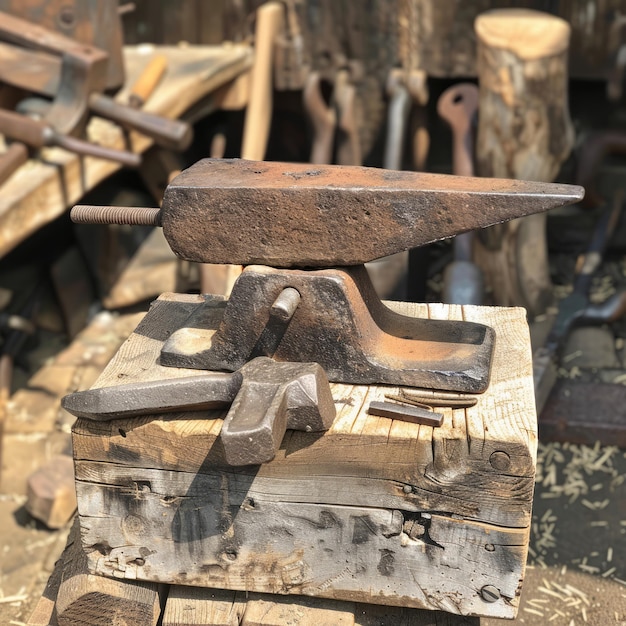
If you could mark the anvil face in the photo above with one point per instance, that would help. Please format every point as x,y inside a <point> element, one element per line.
<point>300,215</point>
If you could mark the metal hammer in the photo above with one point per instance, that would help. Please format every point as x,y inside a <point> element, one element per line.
<point>265,397</point>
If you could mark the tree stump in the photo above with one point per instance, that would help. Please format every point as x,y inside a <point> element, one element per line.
<point>524,132</point>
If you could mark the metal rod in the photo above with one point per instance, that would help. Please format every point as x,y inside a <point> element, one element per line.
<point>122,215</point>
<point>285,304</point>
<point>413,414</point>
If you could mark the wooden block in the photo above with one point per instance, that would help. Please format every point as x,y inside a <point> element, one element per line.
<point>193,606</point>
<point>96,601</point>
<point>51,492</point>
<point>275,611</point>
<point>373,511</point>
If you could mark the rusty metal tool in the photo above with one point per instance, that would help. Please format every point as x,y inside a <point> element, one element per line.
<point>90,22</point>
<point>37,134</point>
<point>82,69</point>
<point>413,414</point>
<point>331,217</point>
<point>217,211</point>
<point>397,121</point>
<point>266,398</point>
<point>323,119</point>
<point>74,76</point>
<point>575,309</point>
<point>349,150</point>
<point>433,399</point>
<point>458,105</point>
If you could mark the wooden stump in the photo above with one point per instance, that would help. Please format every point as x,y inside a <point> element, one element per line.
<point>524,132</point>
<point>374,510</point>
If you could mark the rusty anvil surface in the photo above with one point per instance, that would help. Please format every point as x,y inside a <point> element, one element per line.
<point>299,215</point>
<point>326,218</point>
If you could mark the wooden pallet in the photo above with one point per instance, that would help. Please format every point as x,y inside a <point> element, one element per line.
<point>337,515</point>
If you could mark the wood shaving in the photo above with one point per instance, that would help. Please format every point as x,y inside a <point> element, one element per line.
<point>533,611</point>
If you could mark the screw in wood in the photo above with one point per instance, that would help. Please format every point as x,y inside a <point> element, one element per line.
<point>500,461</point>
<point>489,593</point>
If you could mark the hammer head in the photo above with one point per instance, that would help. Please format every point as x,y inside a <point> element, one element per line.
<point>299,215</point>
<point>274,397</point>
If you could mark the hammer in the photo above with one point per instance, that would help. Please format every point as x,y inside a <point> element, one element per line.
<point>265,398</point>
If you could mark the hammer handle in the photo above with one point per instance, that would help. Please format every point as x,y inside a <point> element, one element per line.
<point>148,80</point>
<point>171,134</point>
<point>22,128</point>
<point>38,134</point>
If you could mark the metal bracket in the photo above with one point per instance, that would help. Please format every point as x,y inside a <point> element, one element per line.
<point>337,321</point>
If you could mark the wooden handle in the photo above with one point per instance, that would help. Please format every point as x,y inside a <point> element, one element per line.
<point>148,80</point>
<point>259,112</point>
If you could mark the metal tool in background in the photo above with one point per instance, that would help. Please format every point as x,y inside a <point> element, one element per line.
<point>575,309</point>
<point>266,398</point>
<point>74,76</point>
<point>463,281</point>
<point>327,217</point>
<point>592,152</point>
<point>37,134</point>
<point>323,119</point>
<point>91,22</point>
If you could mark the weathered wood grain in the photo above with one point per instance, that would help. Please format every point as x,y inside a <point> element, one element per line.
<point>193,606</point>
<point>522,66</point>
<point>96,601</point>
<point>334,515</point>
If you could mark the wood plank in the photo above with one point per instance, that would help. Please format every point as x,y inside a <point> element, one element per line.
<point>263,610</point>
<point>372,615</point>
<point>192,606</point>
<point>41,190</point>
<point>87,599</point>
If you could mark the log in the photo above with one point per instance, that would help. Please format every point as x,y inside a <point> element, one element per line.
<point>374,510</point>
<point>524,132</point>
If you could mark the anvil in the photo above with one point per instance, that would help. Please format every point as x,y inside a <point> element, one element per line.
<point>315,227</point>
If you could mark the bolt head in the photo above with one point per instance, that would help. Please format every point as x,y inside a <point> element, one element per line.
<point>500,461</point>
<point>407,489</point>
<point>489,593</point>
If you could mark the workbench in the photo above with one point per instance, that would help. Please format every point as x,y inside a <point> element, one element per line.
<point>372,511</point>
<point>44,188</point>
